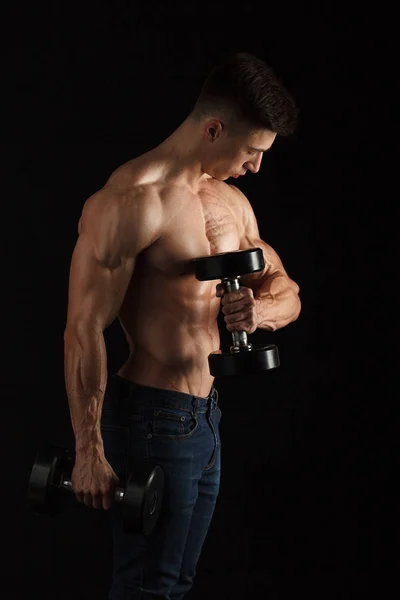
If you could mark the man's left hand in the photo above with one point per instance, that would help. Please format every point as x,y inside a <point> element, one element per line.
<point>239,308</point>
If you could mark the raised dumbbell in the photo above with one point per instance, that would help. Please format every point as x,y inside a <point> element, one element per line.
<point>243,358</point>
<point>140,500</point>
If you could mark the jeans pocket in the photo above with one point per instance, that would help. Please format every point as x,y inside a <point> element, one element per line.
<point>174,423</point>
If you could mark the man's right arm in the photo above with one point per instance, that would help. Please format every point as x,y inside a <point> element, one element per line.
<point>113,230</point>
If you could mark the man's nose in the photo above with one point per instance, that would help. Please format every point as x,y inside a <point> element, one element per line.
<point>254,165</point>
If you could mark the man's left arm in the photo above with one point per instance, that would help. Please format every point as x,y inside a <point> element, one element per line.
<point>268,299</point>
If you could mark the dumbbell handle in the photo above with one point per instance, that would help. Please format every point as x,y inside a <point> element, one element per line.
<point>240,344</point>
<point>66,484</point>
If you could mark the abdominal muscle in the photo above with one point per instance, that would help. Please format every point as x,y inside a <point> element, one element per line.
<point>171,328</point>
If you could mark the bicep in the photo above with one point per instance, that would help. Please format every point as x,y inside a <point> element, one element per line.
<point>250,238</point>
<point>273,266</point>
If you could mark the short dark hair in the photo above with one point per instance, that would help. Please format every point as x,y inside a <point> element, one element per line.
<point>248,89</point>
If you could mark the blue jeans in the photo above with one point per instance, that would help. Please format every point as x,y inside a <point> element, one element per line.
<point>180,433</point>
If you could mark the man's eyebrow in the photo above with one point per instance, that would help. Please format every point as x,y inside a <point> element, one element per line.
<point>258,149</point>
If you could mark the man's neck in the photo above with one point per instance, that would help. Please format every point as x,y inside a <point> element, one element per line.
<point>180,152</point>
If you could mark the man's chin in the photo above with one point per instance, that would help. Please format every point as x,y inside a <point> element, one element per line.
<point>220,176</point>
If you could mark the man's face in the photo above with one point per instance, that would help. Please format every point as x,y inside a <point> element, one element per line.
<point>234,155</point>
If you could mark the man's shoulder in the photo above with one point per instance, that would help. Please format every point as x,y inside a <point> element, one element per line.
<point>120,198</point>
<point>133,175</point>
<point>235,192</point>
<point>236,198</point>
<point>240,198</point>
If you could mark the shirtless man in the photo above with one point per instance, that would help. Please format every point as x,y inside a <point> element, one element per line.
<point>137,236</point>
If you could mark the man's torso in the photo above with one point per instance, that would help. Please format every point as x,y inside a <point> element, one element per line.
<point>168,316</point>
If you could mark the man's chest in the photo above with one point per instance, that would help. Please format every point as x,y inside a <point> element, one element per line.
<point>208,224</point>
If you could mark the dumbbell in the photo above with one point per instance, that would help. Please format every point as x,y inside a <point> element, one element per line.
<point>243,358</point>
<point>140,499</point>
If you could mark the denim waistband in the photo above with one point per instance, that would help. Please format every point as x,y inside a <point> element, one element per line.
<point>152,396</point>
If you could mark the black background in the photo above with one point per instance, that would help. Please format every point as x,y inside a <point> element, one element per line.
<point>306,506</point>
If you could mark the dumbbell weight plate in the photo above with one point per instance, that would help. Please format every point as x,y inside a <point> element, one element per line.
<point>228,264</point>
<point>43,494</point>
<point>142,500</point>
<point>246,362</point>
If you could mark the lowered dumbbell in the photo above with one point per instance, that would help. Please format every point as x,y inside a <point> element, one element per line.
<point>243,358</point>
<point>140,500</point>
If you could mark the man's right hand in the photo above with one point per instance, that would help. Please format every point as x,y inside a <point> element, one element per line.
<point>94,481</point>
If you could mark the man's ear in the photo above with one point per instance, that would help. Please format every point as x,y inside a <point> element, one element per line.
<point>213,129</point>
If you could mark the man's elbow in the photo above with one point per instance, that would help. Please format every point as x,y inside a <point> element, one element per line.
<point>296,307</point>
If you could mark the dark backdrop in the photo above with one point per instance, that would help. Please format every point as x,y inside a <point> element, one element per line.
<point>307,473</point>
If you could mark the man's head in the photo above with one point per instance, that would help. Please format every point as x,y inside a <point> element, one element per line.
<point>241,108</point>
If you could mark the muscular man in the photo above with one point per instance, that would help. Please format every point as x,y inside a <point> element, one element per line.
<point>132,260</point>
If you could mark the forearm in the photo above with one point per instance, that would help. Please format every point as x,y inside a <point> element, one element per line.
<point>85,370</point>
<point>277,303</point>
